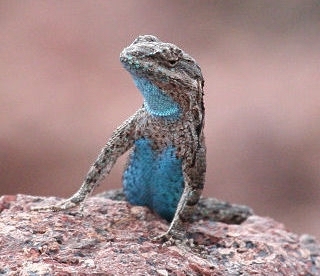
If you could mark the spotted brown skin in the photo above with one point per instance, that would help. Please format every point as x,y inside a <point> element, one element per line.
<point>166,168</point>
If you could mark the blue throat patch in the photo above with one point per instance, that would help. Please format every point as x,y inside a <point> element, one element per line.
<point>154,179</point>
<point>156,101</point>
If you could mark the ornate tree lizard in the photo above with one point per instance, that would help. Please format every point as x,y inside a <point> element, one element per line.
<point>167,164</point>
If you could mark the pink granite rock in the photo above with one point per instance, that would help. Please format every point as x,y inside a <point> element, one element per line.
<point>113,238</point>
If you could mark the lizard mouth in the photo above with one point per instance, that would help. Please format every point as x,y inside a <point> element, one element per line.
<point>129,62</point>
<point>135,61</point>
<point>138,58</point>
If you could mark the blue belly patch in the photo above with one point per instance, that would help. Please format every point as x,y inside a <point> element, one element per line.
<point>154,179</point>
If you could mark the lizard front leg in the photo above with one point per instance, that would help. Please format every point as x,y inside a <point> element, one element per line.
<point>194,174</point>
<point>121,140</point>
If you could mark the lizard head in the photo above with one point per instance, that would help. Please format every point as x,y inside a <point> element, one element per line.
<point>170,80</point>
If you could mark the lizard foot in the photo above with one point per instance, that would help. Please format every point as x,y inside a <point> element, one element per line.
<point>170,238</point>
<point>65,205</point>
<point>166,239</point>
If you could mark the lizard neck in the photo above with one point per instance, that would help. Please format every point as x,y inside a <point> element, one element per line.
<point>156,102</point>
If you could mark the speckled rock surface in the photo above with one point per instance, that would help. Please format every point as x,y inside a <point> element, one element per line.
<point>113,238</point>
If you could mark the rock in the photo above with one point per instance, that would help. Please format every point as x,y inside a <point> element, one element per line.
<point>113,238</point>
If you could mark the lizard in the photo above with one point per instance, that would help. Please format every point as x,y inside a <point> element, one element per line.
<point>166,167</point>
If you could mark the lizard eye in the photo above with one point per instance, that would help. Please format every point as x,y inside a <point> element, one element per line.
<point>172,62</point>
<point>173,56</point>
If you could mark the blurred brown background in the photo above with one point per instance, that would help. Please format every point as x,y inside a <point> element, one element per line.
<point>63,91</point>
